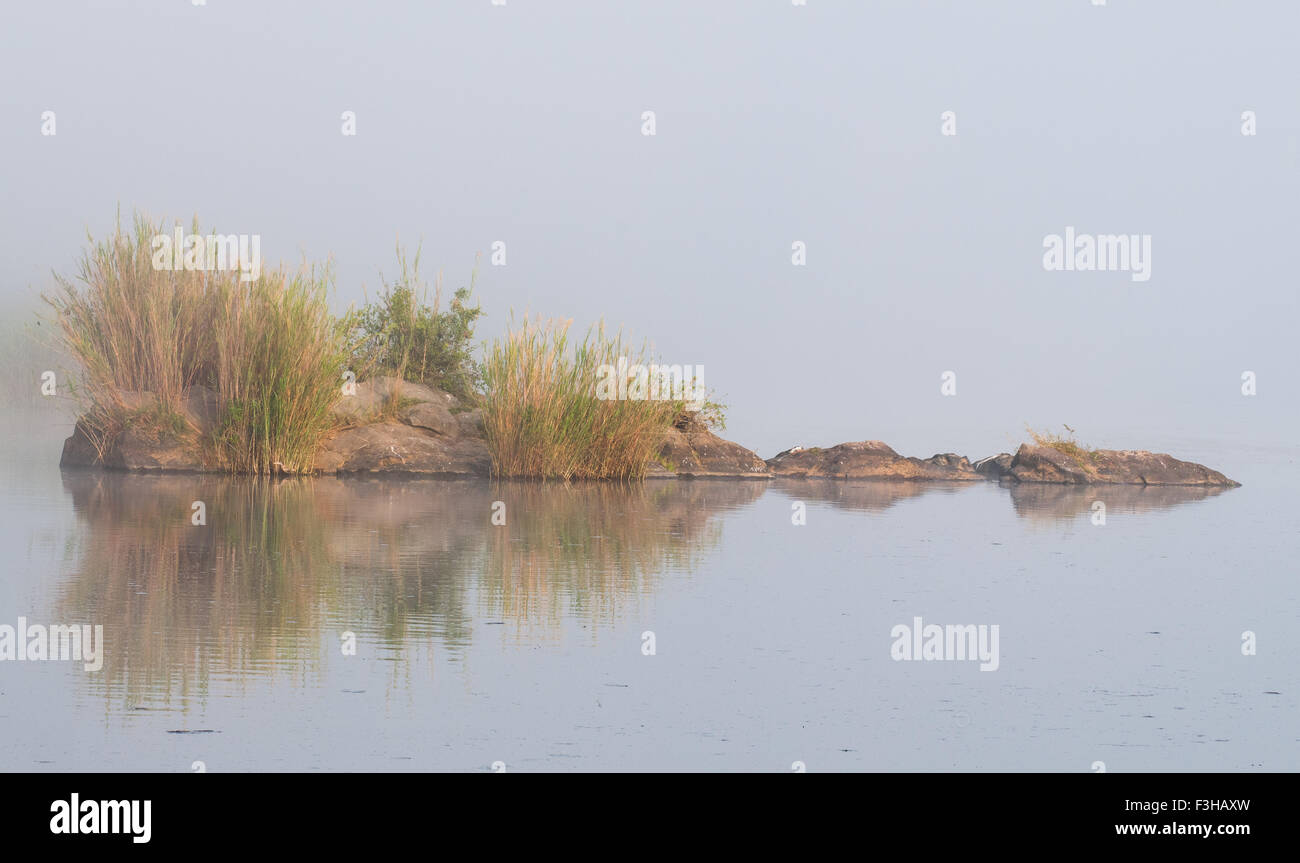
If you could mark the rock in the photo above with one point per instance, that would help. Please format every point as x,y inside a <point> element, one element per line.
<point>136,450</point>
<point>143,447</point>
<point>431,415</point>
<point>471,423</point>
<point>374,395</point>
<point>995,466</point>
<point>360,407</point>
<point>201,408</point>
<point>691,450</point>
<point>398,390</point>
<point>78,451</point>
<point>868,460</point>
<point>950,460</point>
<point>394,447</point>
<point>424,438</point>
<point>1137,467</point>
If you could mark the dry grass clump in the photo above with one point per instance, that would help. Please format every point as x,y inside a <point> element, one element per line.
<point>143,337</point>
<point>1066,444</point>
<point>543,418</point>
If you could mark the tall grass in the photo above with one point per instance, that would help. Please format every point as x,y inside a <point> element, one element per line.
<point>541,414</point>
<point>269,349</point>
<point>131,328</point>
<point>278,363</point>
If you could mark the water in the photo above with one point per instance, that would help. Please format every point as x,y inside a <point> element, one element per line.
<point>523,643</point>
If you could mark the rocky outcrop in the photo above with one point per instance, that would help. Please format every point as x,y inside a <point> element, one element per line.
<point>174,447</point>
<point>392,426</point>
<point>134,450</point>
<point>690,449</point>
<point>1049,464</point>
<point>995,466</point>
<point>386,425</point>
<point>868,460</point>
<point>390,446</point>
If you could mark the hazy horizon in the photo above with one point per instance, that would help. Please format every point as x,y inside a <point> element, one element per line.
<point>774,124</point>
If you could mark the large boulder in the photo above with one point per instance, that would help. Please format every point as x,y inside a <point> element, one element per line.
<point>870,459</point>
<point>390,446</point>
<point>1138,467</point>
<point>433,416</point>
<point>689,449</point>
<point>146,444</point>
<point>79,450</point>
<point>995,466</point>
<point>139,450</point>
<point>470,423</point>
<point>395,426</point>
<point>385,393</point>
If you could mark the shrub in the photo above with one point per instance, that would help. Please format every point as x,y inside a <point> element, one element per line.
<point>402,335</point>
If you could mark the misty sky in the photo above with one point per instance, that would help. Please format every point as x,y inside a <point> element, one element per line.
<point>774,123</point>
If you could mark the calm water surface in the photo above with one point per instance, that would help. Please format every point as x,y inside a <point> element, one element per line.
<point>523,643</point>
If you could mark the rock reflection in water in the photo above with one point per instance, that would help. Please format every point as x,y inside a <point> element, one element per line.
<point>868,495</point>
<point>1055,502</point>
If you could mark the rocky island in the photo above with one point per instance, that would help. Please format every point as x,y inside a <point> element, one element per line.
<point>195,371</point>
<point>390,426</point>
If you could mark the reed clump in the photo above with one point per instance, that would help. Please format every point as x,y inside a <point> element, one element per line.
<point>542,416</point>
<point>279,359</point>
<point>269,349</point>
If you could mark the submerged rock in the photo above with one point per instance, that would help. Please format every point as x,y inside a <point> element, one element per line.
<point>870,459</point>
<point>1107,466</point>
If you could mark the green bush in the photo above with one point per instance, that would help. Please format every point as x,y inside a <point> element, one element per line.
<point>402,335</point>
